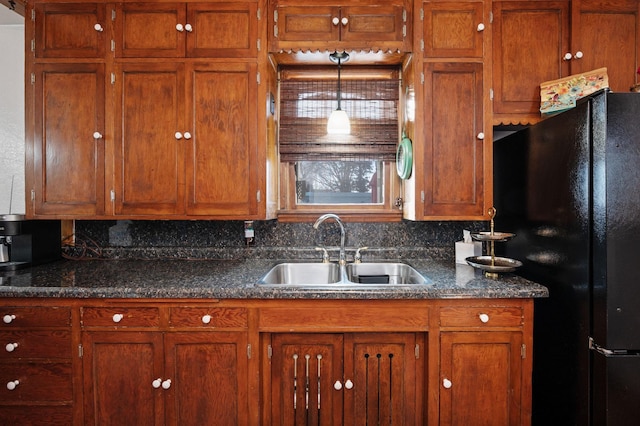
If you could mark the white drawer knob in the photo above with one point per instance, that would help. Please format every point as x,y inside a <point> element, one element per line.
<point>337,385</point>
<point>578,55</point>
<point>117,317</point>
<point>156,383</point>
<point>567,56</point>
<point>97,135</point>
<point>206,319</point>
<point>98,27</point>
<point>166,384</point>
<point>11,347</point>
<point>480,27</point>
<point>480,136</point>
<point>484,318</point>
<point>188,27</point>
<point>446,383</point>
<point>13,384</point>
<point>180,27</point>
<point>8,319</point>
<point>178,135</point>
<point>348,384</point>
<point>335,21</point>
<point>344,21</point>
<point>187,135</point>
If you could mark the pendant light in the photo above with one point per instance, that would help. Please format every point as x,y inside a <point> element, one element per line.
<point>338,120</point>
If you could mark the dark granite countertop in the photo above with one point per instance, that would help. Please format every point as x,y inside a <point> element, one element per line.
<point>236,279</point>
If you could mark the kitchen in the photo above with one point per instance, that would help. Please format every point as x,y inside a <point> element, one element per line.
<point>430,239</point>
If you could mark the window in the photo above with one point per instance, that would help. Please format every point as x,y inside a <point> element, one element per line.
<point>338,173</point>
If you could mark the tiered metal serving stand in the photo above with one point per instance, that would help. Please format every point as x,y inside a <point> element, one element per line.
<point>491,264</point>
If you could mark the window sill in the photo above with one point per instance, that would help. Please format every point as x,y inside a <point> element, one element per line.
<point>346,215</point>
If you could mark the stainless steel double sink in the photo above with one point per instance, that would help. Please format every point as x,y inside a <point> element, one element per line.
<point>352,275</point>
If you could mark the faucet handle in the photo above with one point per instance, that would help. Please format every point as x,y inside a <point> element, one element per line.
<point>325,254</point>
<point>358,257</point>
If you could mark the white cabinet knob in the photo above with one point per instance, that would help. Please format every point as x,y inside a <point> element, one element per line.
<point>206,319</point>
<point>11,347</point>
<point>578,55</point>
<point>337,385</point>
<point>484,318</point>
<point>480,27</point>
<point>480,136</point>
<point>188,28</point>
<point>156,383</point>
<point>180,27</point>
<point>13,384</point>
<point>187,135</point>
<point>97,135</point>
<point>7,319</point>
<point>166,384</point>
<point>335,21</point>
<point>117,317</point>
<point>567,56</point>
<point>98,27</point>
<point>446,383</point>
<point>348,384</point>
<point>344,21</point>
<point>178,135</point>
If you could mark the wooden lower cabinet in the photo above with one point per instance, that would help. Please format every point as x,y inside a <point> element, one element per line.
<point>350,379</point>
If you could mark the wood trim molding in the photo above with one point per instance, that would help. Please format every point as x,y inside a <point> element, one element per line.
<point>17,6</point>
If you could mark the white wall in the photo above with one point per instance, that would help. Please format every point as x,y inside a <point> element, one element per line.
<point>11,114</point>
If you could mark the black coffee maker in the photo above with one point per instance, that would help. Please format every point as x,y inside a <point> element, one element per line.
<point>26,243</point>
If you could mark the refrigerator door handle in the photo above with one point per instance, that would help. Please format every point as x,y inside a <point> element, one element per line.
<point>601,350</point>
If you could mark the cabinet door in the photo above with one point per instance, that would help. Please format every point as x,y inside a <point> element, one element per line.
<point>226,30</point>
<point>607,35</point>
<point>150,139</point>
<point>209,373</point>
<point>373,24</point>
<point>304,24</point>
<point>457,156</point>
<point>480,378</point>
<point>530,39</point>
<point>70,30</point>
<point>150,30</point>
<point>119,372</point>
<point>453,30</point>
<point>304,369</point>
<point>68,145</point>
<point>383,369</point>
<point>221,156</point>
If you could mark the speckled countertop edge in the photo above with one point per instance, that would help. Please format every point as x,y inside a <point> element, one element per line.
<point>236,279</point>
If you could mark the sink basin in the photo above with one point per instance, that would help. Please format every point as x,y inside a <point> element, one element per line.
<point>356,275</point>
<point>384,274</point>
<point>298,274</point>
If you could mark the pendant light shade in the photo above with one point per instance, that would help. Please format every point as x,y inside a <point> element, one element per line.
<point>338,123</point>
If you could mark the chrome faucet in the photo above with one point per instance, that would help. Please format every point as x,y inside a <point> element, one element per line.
<point>343,256</point>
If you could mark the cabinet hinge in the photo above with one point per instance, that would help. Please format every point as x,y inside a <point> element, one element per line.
<point>258,195</point>
<point>258,77</point>
<point>404,15</point>
<point>259,14</point>
<point>112,194</point>
<point>80,351</point>
<point>422,78</point>
<point>113,45</point>
<point>33,15</point>
<point>113,14</point>
<point>33,45</point>
<point>269,351</point>
<point>417,351</point>
<point>491,17</point>
<point>523,351</point>
<point>422,196</point>
<point>404,31</point>
<point>422,14</point>
<point>491,93</point>
<point>33,78</point>
<point>249,351</point>
<point>33,195</point>
<point>113,78</point>
<point>275,31</point>
<point>422,45</point>
<point>275,16</point>
<point>258,42</point>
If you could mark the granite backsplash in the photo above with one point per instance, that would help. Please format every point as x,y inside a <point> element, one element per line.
<point>203,239</point>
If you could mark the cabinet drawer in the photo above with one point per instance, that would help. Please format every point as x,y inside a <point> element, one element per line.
<point>36,415</point>
<point>36,382</point>
<point>48,344</point>
<point>479,316</point>
<point>121,317</point>
<point>35,316</point>
<point>208,317</point>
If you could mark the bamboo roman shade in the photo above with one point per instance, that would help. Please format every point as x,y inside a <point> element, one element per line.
<point>372,107</point>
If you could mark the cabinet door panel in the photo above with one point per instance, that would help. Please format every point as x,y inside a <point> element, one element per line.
<point>483,371</point>
<point>149,30</point>
<point>306,24</point>
<point>450,29</point>
<point>607,38</point>
<point>454,156</point>
<point>209,373</point>
<point>302,390</point>
<point>149,163</point>
<point>529,41</point>
<point>372,24</point>
<point>221,160</point>
<point>69,30</point>
<point>119,369</point>
<point>68,159</point>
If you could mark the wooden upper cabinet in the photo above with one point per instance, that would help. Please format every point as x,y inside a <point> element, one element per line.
<point>363,25</point>
<point>530,39</point>
<point>175,30</point>
<point>453,29</point>
<point>456,162</point>
<point>70,30</point>
<point>606,34</point>
<point>65,161</point>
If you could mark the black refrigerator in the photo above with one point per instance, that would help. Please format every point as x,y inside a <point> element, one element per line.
<point>569,188</point>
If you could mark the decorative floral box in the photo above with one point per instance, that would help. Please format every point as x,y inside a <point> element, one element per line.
<point>562,94</point>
